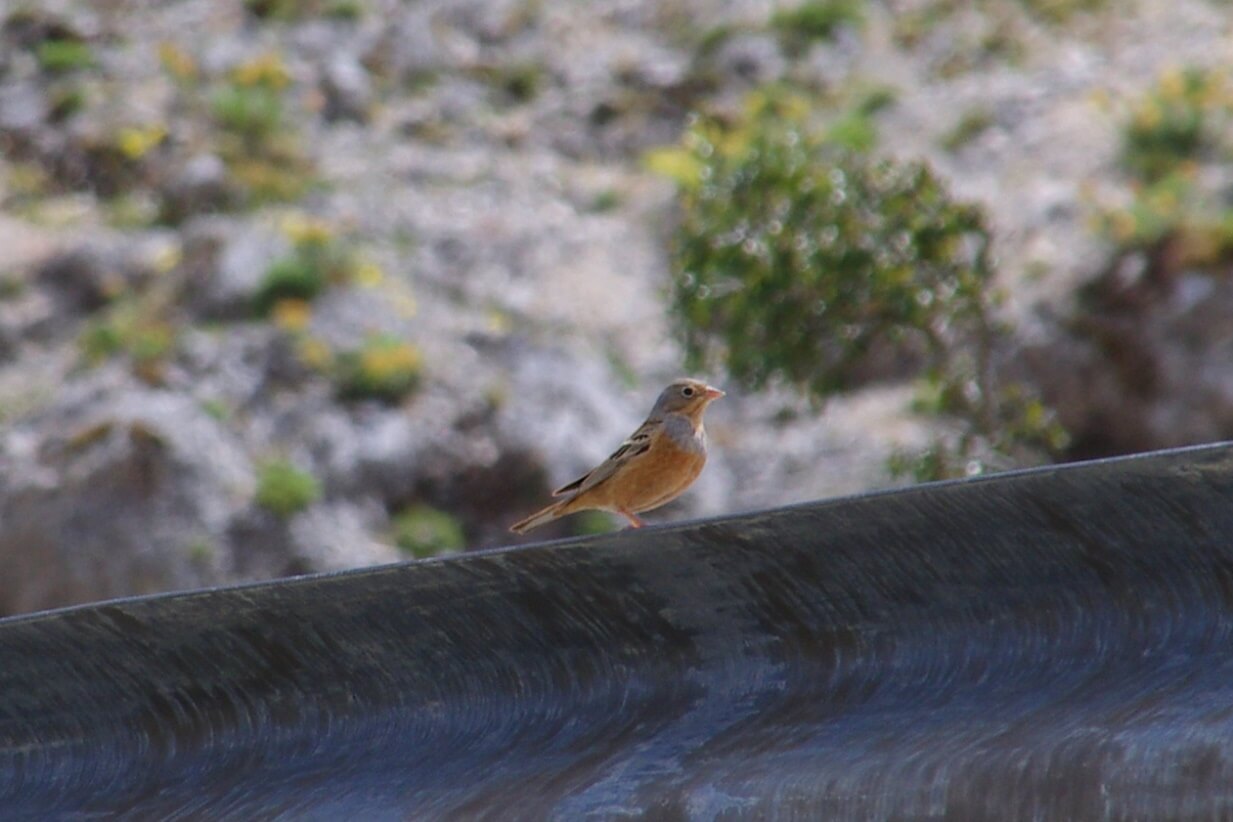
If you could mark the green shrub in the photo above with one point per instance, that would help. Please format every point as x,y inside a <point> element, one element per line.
<point>62,56</point>
<point>297,277</point>
<point>424,531</point>
<point>136,327</point>
<point>1173,130</point>
<point>274,9</point>
<point>605,201</point>
<point>383,368</point>
<point>854,127</point>
<point>814,20</point>
<point>794,256</point>
<point>254,112</point>
<point>1174,123</point>
<point>256,138</point>
<point>318,259</point>
<point>345,9</point>
<point>250,101</point>
<point>301,9</point>
<point>284,489</point>
<point>100,341</point>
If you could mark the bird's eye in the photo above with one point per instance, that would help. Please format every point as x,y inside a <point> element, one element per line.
<point>688,391</point>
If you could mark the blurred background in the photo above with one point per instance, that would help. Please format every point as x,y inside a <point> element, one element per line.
<point>302,285</point>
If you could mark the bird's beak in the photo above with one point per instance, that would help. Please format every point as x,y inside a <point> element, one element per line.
<point>712,393</point>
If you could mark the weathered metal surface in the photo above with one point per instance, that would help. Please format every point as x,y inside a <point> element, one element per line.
<point>1050,645</point>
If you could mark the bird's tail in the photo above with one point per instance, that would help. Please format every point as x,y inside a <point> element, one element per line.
<point>541,517</point>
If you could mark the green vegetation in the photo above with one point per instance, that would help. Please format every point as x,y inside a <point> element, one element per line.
<point>65,99</point>
<point>1175,123</point>
<point>1177,127</point>
<point>317,259</point>
<point>972,123</point>
<point>997,33</point>
<point>593,523</point>
<point>284,489</point>
<point>913,24</point>
<point>63,56</point>
<point>136,327</point>
<point>253,112</point>
<point>344,9</point>
<point>383,368</point>
<point>274,9</point>
<point>218,409</point>
<point>785,230</point>
<point>814,20</point>
<point>249,102</point>
<point>854,128</point>
<point>795,255</point>
<point>424,531</point>
<point>297,277</point>
<point>131,210</point>
<point>256,138</point>
<point>201,551</point>
<point>250,125</point>
<point>12,285</point>
<point>1058,12</point>
<point>300,9</point>
<point>519,82</point>
<point>605,201</point>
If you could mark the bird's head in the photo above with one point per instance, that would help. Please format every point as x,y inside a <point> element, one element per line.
<point>686,396</point>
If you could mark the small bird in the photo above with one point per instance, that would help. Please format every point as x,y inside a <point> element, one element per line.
<point>651,468</point>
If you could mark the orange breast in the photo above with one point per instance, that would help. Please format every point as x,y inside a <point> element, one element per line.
<point>656,477</point>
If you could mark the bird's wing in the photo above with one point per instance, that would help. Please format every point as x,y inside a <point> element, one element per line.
<point>638,443</point>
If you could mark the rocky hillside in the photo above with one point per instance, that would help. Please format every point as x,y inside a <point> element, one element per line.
<point>300,286</point>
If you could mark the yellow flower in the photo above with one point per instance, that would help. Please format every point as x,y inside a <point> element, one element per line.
<point>292,315</point>
<point>676,164</point>
<point>1148,116</point>
<point>267,179</point>
<point>384,361</point>
<point>267,70</point>
<point>307,231</point>
<point>1173,84</point>
<point>135,142</point>
<point>498,322</point>
<point>315,353</point>
<point>176,62</point>
<point>369,274</point>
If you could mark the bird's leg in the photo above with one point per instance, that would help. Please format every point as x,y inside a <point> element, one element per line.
<point>633,519</point>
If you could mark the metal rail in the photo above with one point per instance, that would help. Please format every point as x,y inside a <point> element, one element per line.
<point>1053,644</point>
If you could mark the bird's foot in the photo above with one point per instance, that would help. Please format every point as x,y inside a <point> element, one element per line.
<point>633,519</point>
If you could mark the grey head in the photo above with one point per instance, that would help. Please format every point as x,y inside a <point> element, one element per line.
<point>685,396</point>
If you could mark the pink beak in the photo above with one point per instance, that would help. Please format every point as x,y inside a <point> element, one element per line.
<point>712,393</point>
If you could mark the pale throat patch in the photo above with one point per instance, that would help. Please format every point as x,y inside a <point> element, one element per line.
<point>680,430</point>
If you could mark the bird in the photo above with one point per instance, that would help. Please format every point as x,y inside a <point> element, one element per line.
<point>652,467</point>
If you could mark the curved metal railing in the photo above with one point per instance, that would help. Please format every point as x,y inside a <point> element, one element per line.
<point>1051,644</point>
